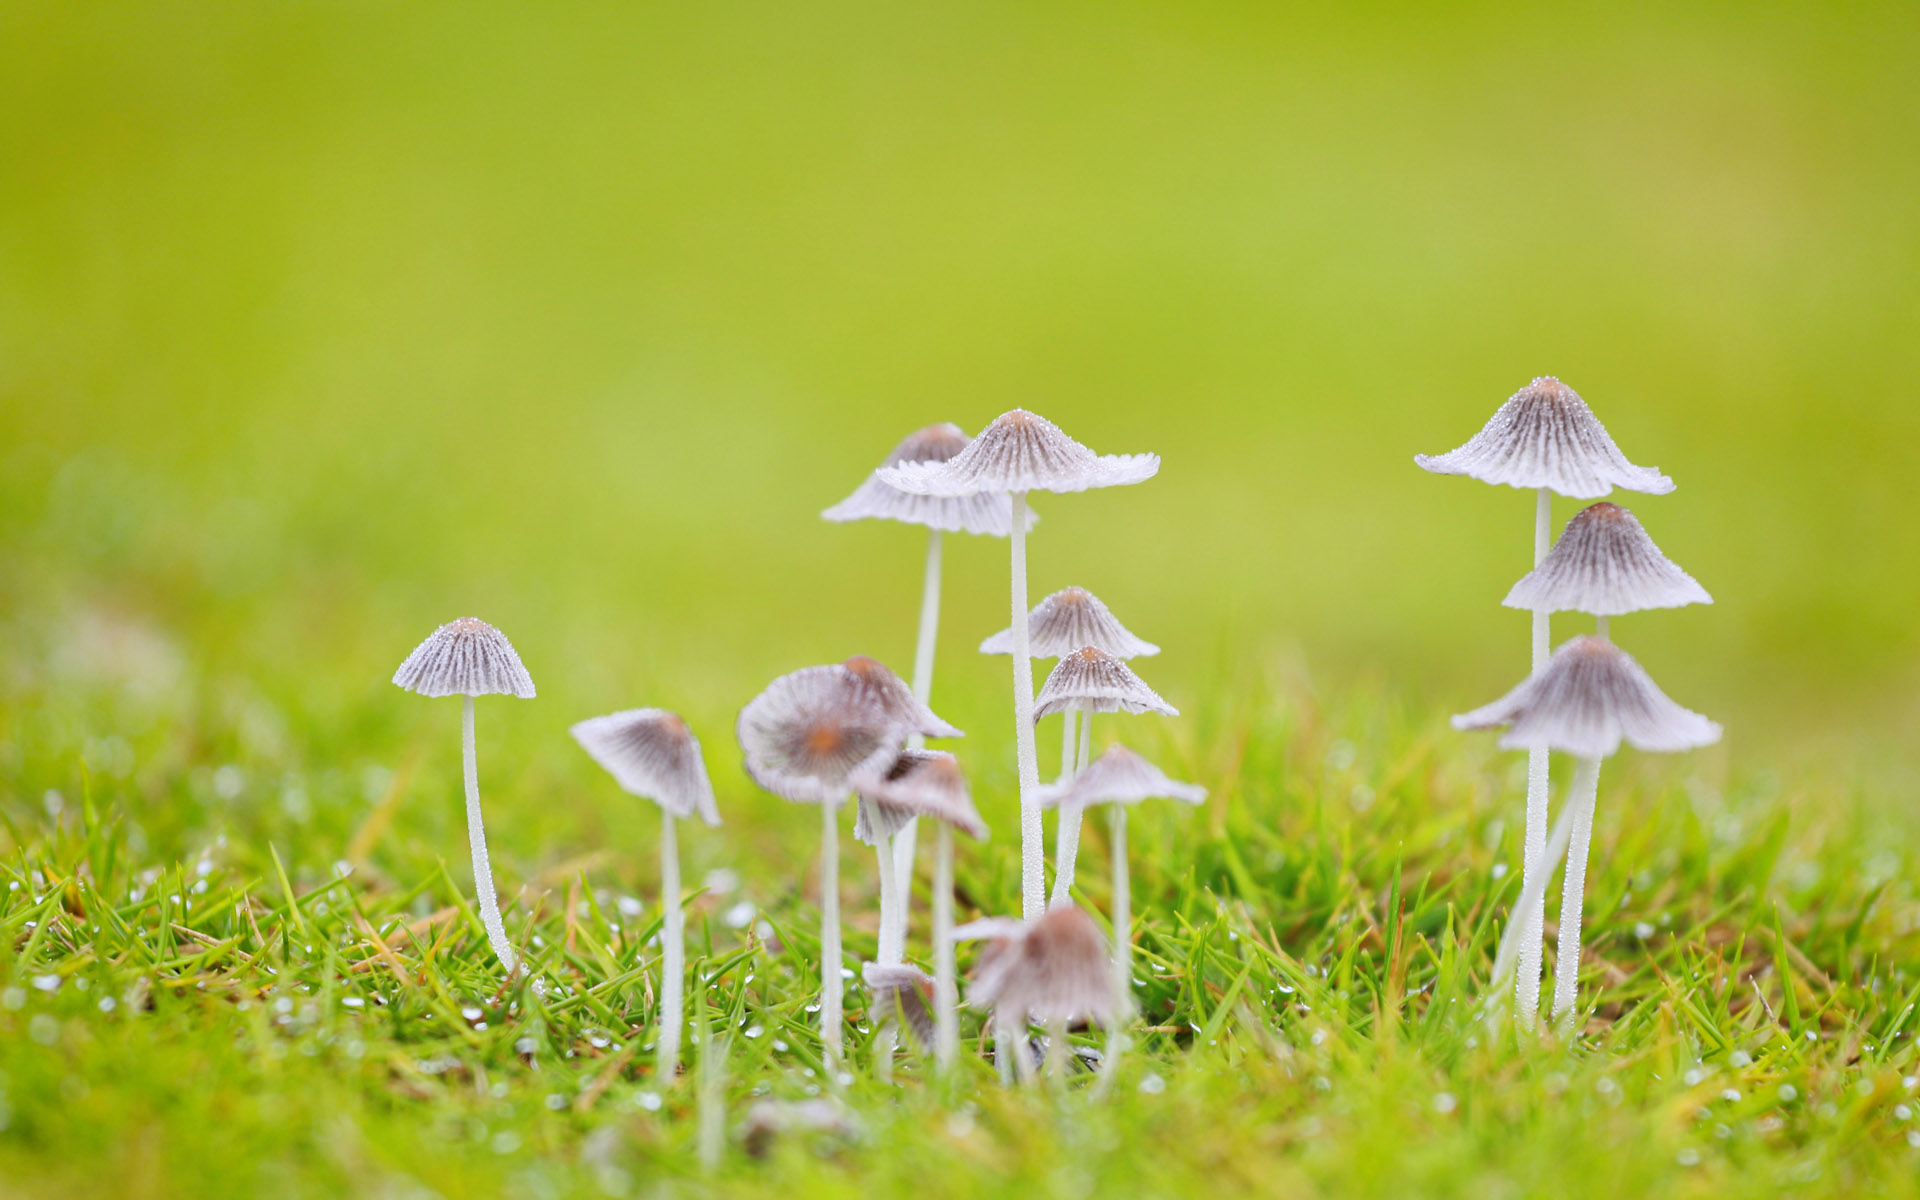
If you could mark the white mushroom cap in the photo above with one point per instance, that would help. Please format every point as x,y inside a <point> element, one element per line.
<point>1055,969</point>
<point>1090,680</point>
<point>1068,620</point>
<point>651,753</point>
<point>984,512</point>
<point>901,989</point>
<point>1119,777</point>
<point>920,783</point>
<point>467,657</point>
<point>810,730</point>
<point>875,684</point>
<point>1605,564</point>
<point>1021,452</point>
<point>1590,696</point>
<point>1545,436</point>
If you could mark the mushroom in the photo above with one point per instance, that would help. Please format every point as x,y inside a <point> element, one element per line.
<point>989,513</point>
<point>469,658</point>
<point>1053,971</point>
<point>1543,438</point>
<point>1088,681</point>
<point>1017,454</point>
<point>929,783</point>
<point>1591,696</point>
<point>1062,623</point>
<point>1606,565</point>
<point>652,754</point>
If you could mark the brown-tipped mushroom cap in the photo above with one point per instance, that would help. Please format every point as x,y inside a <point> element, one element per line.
<point>1055,969</point>
<point>1020,452</point>
<point>875,684</point>
<point>1068,620</point>
<point>1605,564</point>
<point>1119,777</point>
<point>810,730</point>
<point>988,513</point>
<point>1090,680</point>
<point>1590,696</point>
<point>467,657</point>
<point>920,783</point>
<point>651,753</point>
<point>1545,436</point>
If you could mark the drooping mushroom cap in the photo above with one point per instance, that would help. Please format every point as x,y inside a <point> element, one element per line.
<point>919,783</point>
<point>1090,680</point>
<point>1055,969</point>
<point>1545,436</point>
<point>1020,452</point>
<point>1605,564</point>
<point>1590,696</point>
<point>1119,777</point>
<point>810,730</point>
<point>467,657</point>
<point>875,684</point>
<point>1067,620</point>
<point>901,991</point>
<point>984,512</point>
<point>651,753</point>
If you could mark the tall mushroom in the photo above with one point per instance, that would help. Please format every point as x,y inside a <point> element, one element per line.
<point>1088,681</point>
<point>1053,971</point>
<point>1019,453</point>
<point>1591,696</point>
<point>652,754</point>
<point>1545,439</point>
<point>987,513</point>
<point>469,658</point>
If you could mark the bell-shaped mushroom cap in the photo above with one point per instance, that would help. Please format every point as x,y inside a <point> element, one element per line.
<point>876,685</point>
<point>651,753</point>
<point>1545,436</point>
<point>810,730</point>
<point>902,991</point>
<point>1068,620</point>
<point>1119,777</point>
<point>984,512</point>
<point>467,657</point>
<point>919,783</point>
<point>1590,696</point>
<point>1090,680</point>
<point>1605,564</point>
<point>1020,452</point>
<point>1055,969</point>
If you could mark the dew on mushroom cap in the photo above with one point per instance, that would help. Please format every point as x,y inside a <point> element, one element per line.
<point>1607,565</point>
<point>466,657</point>
<point>983,513</point>
<point>1092,680</point>
<point>1592,696</point>
<point>1120,776</point>
<point>1021,452</point>
<point>1068,620</point>
<point>1545,436</point>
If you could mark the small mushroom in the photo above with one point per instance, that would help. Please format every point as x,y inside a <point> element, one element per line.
<point>1053,971</point>
<point>1606,565</point>
<point>469,658</point>
<point>1591,697</point>
<point>652,754</point>
<point>1019,453</point>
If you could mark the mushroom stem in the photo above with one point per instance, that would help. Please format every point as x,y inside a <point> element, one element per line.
<point>673,959</point>
<point>1069,742</point>
<point>1033,893</point>
<point>830,1038</point>
<point>1056,1048</point>
<point>1122,933</point>
<point>1067,850</point>
<point>946,1026</point>
<point>477,842</point>
<point>1003,1047</point>
<point>1534,862</point>
<point>905,843</point>
<point>1530,894</point>
<point>1566,970</point>
<point>891,949</point>
<point>1602,625</point>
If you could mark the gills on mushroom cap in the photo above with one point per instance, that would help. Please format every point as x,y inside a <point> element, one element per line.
<point>1021,452</point>
<point>1119,777</point>
<point>1591,696</point>
<point>467,657</point>
<point>921,783</point>
<point>1068,620</point>
<point>1545,436</point>
<point>987,513</point>
<point>1055,969</point>
<point>1607,565</point>
<point>652,753</point>
<point>1093,681</point>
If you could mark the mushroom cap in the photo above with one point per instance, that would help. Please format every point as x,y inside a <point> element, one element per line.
<point>1091,680</point>
<point>988,513</point>
<point>651,753</point>
<point>1119,777</point>
<point>1055,969</point>
<point>875,684</point>
<point>1545,436</point>
<point>810,730</point>
<point>918,783</point>
<point>901,990</point>
<point>467,657</point>
<point>1589,697</point>
<point>1020,452</point>
<point>1605,564</point>
<point>1067,620</point>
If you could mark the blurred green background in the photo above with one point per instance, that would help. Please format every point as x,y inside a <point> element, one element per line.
<point>324,323</point>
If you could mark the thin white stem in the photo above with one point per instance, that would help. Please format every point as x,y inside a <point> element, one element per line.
<point>1056,1049</point>
<point>1602,626</point>
<point>885,951</point>
<point>1065,853</point>
<point>1530,895</point>
<point>1566,970</point>
<point>1033,849</point>
<point>830,1033</point>
<point>1534,863</point>
<point>946,1024</point>
<point>1069,742</point>
<point>673,958</point>
<point>477,842</point>
<point>1122,916</point>
<point>1003,1049</point>
<point>1019,1043</point>
<point>1086,742</point>
<point>906,842</point>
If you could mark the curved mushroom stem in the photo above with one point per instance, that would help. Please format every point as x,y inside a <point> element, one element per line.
<point>1531,894</point>
<point>905,842</point>
<point>477,842</point>
<point>1065,853</point>
<point>946,1025</point>
<point>1033,851</point>
<point>673,959</point>
<point>830,1038</point>
<point>1566,970</point>
<point>1534,862</point>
